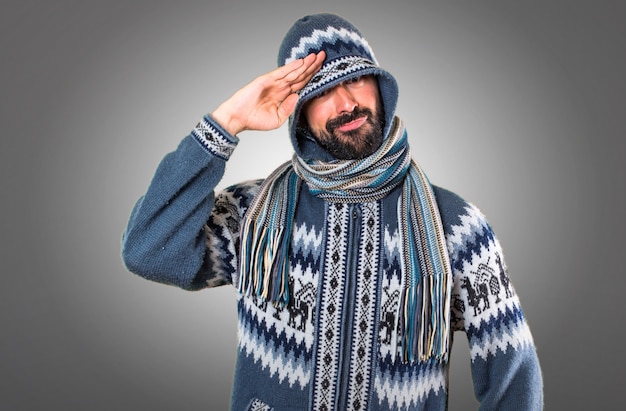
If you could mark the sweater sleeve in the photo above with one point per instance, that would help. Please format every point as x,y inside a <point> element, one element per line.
<point>171,226</point>
<point>504,362</point>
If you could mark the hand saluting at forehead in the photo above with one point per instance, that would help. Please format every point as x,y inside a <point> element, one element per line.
<point>267,101</point>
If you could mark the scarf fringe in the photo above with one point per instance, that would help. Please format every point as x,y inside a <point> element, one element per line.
<point>428,278</point>
<point>424,309</point>
<point>266,238</point>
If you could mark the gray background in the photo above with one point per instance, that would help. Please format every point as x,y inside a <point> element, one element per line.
<point>517,106</point>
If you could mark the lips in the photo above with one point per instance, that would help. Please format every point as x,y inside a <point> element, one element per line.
<point>352,125</point>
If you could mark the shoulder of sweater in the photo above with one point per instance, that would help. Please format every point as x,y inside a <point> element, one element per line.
<point>240,194</point>
<point>243,187</point>
<point>451,205</point>
<point>454,209</point>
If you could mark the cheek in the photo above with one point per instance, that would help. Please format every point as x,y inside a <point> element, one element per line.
<point>372,98</point>
<point>314,116</point>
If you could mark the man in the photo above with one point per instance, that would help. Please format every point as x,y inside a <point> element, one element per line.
<point>352,270</point>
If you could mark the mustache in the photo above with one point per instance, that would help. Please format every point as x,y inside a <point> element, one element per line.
<point>334,123</point>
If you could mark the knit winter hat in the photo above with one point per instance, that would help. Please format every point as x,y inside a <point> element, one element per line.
<point>348,55</point>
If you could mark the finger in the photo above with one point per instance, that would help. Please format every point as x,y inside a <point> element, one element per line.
<point>310,62</point>
<point>304,76</point>
<point>283,71</point>
<point>313,65</point>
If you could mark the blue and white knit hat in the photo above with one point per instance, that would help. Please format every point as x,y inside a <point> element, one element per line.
<point>348,55</point>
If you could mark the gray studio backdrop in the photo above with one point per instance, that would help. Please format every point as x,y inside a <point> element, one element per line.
<point>516,106</point>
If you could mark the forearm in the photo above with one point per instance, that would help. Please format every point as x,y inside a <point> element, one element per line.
<point>165,239</point>
<point>509,380</point>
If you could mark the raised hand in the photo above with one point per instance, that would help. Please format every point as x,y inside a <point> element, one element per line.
<point>267,101</point>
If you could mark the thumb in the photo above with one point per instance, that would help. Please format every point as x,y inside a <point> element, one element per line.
<point>287,107</point>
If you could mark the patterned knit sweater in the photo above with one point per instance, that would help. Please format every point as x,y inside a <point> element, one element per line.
<point>335,346</point>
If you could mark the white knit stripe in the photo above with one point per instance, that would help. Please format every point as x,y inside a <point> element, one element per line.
<point>277,321</point>
<point>274,361</point>
<point>495,310</point>
<point>515,336</point>
<point>388,333</point>
<point>456,238</point>
<point>267,316</point>
<point>393,243</point>
<point>258,405</point>
<point>220,241</point>
<point>364,326</point>
<point>482,285</point>
<point>306,242</point>
<point>306,238</point>
<point>404,391</point>
<point>222,230</point>
<point>330,35</point>
<point>336,69</point>
<point>225,269</point>
<point>390,297</point>
<point>479,283</point>
<point>329,333</point>
<point>213,140</point>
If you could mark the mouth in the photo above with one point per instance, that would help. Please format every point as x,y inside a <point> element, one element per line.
<point>352,125</point>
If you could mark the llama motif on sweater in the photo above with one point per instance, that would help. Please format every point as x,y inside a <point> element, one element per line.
<point>338,338</point>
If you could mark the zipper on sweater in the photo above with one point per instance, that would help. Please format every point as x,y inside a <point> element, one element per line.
<point>352,255</point>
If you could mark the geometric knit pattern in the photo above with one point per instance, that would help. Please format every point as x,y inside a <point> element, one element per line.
<point>336,69</point>
<point>329,37</point>
<point>330,332</point>
<point>212,140</point>
<point>347,55</point>
<point>222,233</point>
<point>365,321</point>
<point>347,331</point>
<point>337,343</point>
<point>347,51</point>
<point>281,341</point>
<point>482,288</point>
<point>258,405</point>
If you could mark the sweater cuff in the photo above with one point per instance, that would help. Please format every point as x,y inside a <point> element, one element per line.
<point>213,138</point>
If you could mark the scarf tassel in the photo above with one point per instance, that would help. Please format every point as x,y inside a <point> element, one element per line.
<point>424,322</point>
<point>424,311</point>
<point>265,255</point>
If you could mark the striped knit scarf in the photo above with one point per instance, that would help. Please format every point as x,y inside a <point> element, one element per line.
<point>424,309</point>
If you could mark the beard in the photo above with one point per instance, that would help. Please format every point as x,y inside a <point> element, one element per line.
<point>354,144</point>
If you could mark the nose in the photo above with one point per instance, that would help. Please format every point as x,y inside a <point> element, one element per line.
<point>344,100</point>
